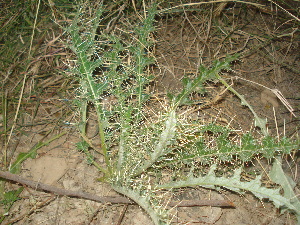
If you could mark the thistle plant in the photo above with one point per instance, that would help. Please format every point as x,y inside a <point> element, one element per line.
<point>137,148</point>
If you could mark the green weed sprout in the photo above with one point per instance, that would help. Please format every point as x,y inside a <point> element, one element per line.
<point>137,149</point>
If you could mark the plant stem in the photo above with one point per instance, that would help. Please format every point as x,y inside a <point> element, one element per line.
<point>258,120</point>
<point>102,137</point>
<point>165,138</point>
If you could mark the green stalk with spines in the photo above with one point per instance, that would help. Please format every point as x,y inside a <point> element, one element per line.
<point>141,57</point>
<point>203,75</point>
<point>259,122</point>
<point>90,91</point>
<point>165,139</point>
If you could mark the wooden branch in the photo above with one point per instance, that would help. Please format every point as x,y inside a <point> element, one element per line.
<point>63,192</point>
<point>105,199</point>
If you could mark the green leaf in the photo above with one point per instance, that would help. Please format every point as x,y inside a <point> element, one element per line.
<point>279,177</point>
<point>16,166</point>
<point>216,129</point>
<point>82,145</point>
<point>269,147</point>
<point>235,184</point>
<point>261,123</point>
<point>158,215</point>
<point>11,196</point>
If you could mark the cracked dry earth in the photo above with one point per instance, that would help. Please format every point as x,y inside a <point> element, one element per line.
<point>183,42</point>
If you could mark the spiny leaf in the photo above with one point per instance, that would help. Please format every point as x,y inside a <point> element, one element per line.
<point>159,217</point>
<point>279,177</point>
<point>260,122</point>
<point>235,184</point>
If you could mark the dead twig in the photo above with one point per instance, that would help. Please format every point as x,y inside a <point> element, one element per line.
<point>122,215</point>
<point>106,199</point>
